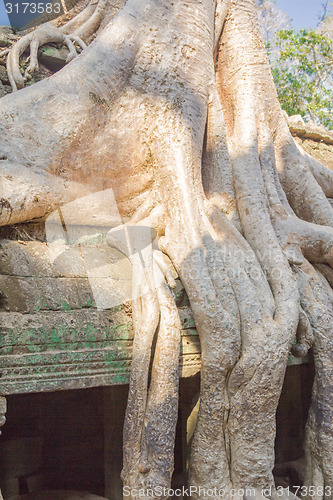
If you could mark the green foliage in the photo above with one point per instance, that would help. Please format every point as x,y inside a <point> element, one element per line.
<point>303,74</point>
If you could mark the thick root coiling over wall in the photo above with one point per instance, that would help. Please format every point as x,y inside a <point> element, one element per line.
<point>178,114</point>
<point>76,32</point>
<point>45,34</point>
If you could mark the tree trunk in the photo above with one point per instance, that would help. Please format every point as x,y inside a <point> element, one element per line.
<point>173,107</point>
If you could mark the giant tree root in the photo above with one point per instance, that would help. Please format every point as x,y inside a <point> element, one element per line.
<point>177,113</point>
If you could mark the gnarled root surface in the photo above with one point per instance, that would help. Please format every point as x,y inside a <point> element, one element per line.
<point>177,113</point>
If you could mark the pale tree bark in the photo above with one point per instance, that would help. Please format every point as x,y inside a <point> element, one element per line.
<point>173,106</point>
